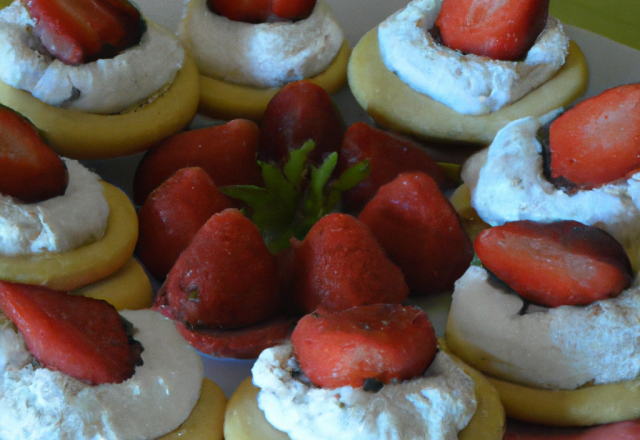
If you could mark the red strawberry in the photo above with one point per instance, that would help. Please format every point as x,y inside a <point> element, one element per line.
<point>598,140</point>
<point>340,265</point>
<point>79,31</point>
<point>300,111</point>
<point>260,11</point>
<point>172,215</point>
<point>389,155</point>
<point>629,430</point>
<point>226,152</point>
<point>30,170</point>
<point>225,278</point>
<point>81,337</point>
<point>379,341</point>
<point>554,264</point>
<point>502,30</point>
<point>420,231</point>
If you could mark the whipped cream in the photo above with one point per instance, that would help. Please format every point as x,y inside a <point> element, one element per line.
<point>468,83</point>
<point>59,224</point>
<point>436,405</point>
<point>104,86</point>
<point>260,55</point>
<point>557,348</point>
<point>38,403</point>
<point>510,185</point>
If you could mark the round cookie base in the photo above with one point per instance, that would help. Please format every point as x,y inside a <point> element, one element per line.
<point>244,420</point>
<point>83,265</point>
<point>226,101</point>
<point>80,135</point>
<point>585,406</point>
<point>395,106</point>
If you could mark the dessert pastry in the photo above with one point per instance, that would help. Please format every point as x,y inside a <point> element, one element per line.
<point>94,103</point>
<point>409,82</point>
<point>88,376</point>
<point>554,326</point>
<point>244,59</point>
<point>315,388</point>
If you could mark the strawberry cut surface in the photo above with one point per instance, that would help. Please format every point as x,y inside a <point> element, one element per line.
<point>80,31</point>
<point>81,337</point>
<point>501,30</point>
<point>555,264</point>
<point>598,140</point>
<point>260,11</point>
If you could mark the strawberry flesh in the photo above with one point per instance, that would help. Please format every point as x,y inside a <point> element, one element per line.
<point>81,337</point>
<point>501,30</point>
<point>261,11</point>
<point>30,170</point>
<point>80,31</point>
<point>555,264</point>
<point>598,140</point>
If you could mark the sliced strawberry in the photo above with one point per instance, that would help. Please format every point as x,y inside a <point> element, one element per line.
<point>79,31</point>
<point>226,152</point>
<point>420,231</point>
<point>379,341</point>
<point>172,215</point>
<point>225,278</point>
<point>260,11</point>
<point>340,265</point>
<point>81,337</point>
<point>300,111</point>
<point>598,140</point>
<point>554,264</point>
<point>629,430</point>
<point>502,30</point>
<point>243,343</point>
<point>389,155</point>
<point>30,170</point>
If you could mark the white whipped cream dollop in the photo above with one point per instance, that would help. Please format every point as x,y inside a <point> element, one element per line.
<point>511,185</point>
<point>104,86</point>
<point>59,224</point>
<point>557,348</point>
<point>41,404</point>
<point>436,405</point>
<point>260,55</point>
<point>469,84</point>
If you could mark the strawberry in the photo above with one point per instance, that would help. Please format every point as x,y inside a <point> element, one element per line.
<point>172,215</point>
<point>598,140</point>
<point>629,430</point>
<point>31,170</point>
<point>389,154</point>
<point>80,31</point>
<point>420,231</point>
<point>554,264</point>
<point>225,278</point>
<point>260,11</point>
<point>380,341</point>
<point>501,30</point>
<point>226,152</point>
<point>300,111</point>
<point>340,265</point>
<point>81,337</point>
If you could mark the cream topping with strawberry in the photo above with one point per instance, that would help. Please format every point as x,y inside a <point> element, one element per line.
<point>469,84</point>
<point>104,86</point>
<point>435,405</point>
<point>38,403</point>
<point>261,55</point>
<point>557,348</point>
<point>507,183</point>
<point>58,224</point>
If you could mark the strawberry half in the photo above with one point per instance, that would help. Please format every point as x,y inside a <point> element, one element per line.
<point>598,140</point>
<point>554,264</point>
<point>260,11</point>
<point>81,337</point>
<point>80,31</point>
<point>501,30</point>
<point>30,170</point>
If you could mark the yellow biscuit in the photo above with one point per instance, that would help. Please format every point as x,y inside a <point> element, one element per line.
<point>396,106</point>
